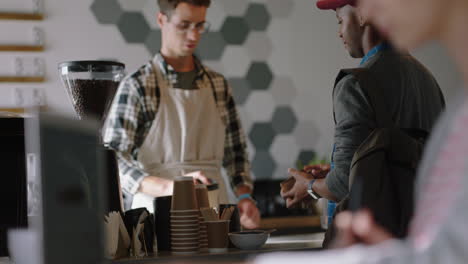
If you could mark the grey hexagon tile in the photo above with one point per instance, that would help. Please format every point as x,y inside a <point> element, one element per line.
<point>216,66</point>
<point>234,7</point>
<point>262,135</point>
<point>150,11</point>
<point>153,41</point>
<point>235,30</point>
<point>283,90</point>
<point>216,15</point>
<point>260,106</point>
<point>305,156</point>
<point>245,119</point>
<point>259,76</point>
<point>306,134</point>
<point>211,46</point>
<point>285,149</point>
<point>132,5</point>
<point>133,27</point>
<point>240,89</point>
<point>237,59</point>
<point>284,120</point>
<point>250,149</point>
<point>263,165</point>
<point>106,12</point>
<point>280,8</point>
<point>259,46</point>
<point>257,17</point>
<point>281,171</point>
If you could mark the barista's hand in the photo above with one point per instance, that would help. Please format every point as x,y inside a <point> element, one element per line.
<point>198,175</point>
<point>358,227</point>
<point>156,186</point>
<point>249,214</point>
<point>317,171</point>
<point>298,193</point>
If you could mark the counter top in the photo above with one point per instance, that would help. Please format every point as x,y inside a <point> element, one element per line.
<point>274,244</point>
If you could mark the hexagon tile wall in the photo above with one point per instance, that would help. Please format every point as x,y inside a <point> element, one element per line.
<point>238,42</point>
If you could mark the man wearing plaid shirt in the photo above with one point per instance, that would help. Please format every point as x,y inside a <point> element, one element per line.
<point>175,117</point>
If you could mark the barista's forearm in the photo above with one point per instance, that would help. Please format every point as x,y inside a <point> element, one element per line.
<point>156,186</point>
<point>243,189</point>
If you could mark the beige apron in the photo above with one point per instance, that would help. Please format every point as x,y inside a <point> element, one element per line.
<point>186,135</point>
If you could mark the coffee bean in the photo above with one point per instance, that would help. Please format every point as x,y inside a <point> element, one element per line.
<point>92,98</point>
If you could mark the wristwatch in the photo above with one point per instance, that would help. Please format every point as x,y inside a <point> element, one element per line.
<point>311,192</point>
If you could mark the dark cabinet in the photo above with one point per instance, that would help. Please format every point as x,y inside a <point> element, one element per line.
<point>13,193</point>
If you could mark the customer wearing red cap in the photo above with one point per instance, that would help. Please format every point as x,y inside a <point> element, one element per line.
<point>438,232</point>
<point>413,99</point>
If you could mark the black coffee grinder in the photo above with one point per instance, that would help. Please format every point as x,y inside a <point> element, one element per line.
<point>91,86</point>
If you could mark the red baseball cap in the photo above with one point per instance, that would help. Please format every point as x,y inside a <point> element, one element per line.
<point>334,4</point>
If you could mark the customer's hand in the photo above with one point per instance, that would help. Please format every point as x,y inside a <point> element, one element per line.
<point>319,171</point>
<point>249,214</point>
<point>360,227</point>
<point>298,193</point>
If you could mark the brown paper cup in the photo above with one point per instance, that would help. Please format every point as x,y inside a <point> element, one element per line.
<point>185,236</point>
<point>184,230</point>
<point>202,196</point>
<point>218,235</point>
<point>185,226</point>
<point>184,197</point>
<point>185,213</point>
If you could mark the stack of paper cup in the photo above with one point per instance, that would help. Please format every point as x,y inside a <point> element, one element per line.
<point>203,202</point>
<point>185,225</point>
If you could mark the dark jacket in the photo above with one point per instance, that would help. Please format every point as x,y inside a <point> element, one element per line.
<point>413,99</point>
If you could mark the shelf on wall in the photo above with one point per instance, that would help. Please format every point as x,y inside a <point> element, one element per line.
<point>20,16</point>
<point>22,79</point>
<point>31,48</point>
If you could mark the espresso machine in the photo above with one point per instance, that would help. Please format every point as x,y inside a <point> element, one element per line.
<point>91,86</point>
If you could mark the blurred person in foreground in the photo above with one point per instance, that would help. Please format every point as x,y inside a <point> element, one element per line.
<point>437,233</point>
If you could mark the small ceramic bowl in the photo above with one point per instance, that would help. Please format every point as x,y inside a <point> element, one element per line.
<point>249,240</point>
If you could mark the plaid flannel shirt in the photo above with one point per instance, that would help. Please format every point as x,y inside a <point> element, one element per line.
<point>135,106</point>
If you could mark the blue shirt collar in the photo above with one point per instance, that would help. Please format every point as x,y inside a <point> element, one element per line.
<point>375,50</point>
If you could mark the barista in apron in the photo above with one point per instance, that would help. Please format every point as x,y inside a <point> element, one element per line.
<point>175,117</point>
<point>186,137</point>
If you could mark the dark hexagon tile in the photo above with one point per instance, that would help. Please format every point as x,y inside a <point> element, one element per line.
<point>240,89</point>
<point>133,27</point>
<point>106,12</point>
<point>132,5</point>
<point>211,46</point>
<point>306,156</point>
<point>284,120</point>
<point>257,17</point>
<point>263,165</point>
<point>153,41</point>
<point>280,8</point>
<point>262,135</point>
<point>259,76</point>
<point>235,30</point>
